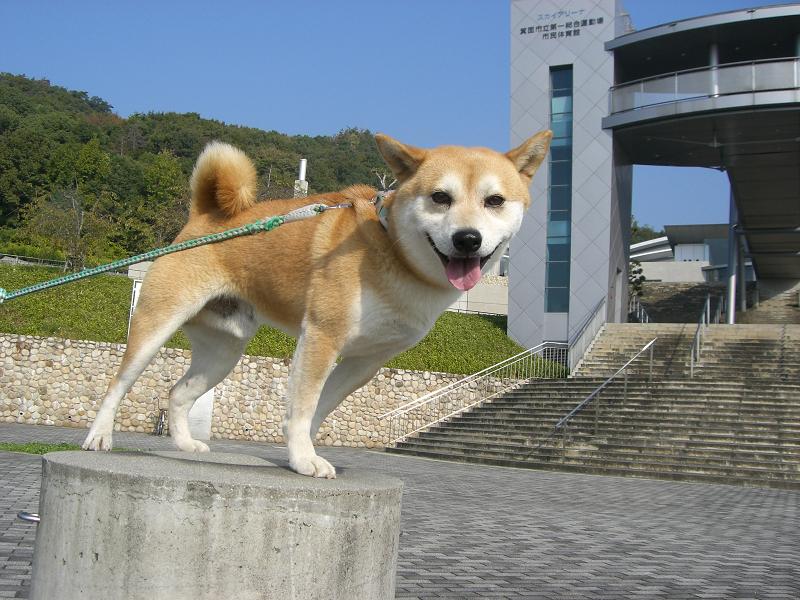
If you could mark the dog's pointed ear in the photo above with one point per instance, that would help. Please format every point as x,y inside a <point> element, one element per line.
<point>403,160</point>
<point>529,155</point>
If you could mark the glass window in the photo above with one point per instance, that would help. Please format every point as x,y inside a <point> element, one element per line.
<point>561,153</point>
<point>562,129</point>
<point>564,142</point>
<point>556,300</point>
<point>561,78</point>
<point>561,104</point>
<point>557,274</point>
<point>557,229</point>
<point>557,252</point>
<point>560,197</point>
<point>561,172</point>
<point>559,192</point>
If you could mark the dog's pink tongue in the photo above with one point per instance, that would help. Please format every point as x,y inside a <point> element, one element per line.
<point>464,273</point>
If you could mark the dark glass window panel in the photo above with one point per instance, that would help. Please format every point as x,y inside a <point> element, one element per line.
<point>558,215</point>
<point>556,252</point>
<point>561,78</point>
<point>561,117</point>
<point>556,300</point>
<point>562,143</point>
<point>560,197</point>
<point>562,129</point>
<point>561,152</point>
<point>557,274</point>
<point>561,173</point>
<point>565,93</point>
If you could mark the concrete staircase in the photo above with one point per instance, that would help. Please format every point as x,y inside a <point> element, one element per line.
<point>737,421</point>
<point>778,304</point>
<point>677,302</point>
<point>618,342</point>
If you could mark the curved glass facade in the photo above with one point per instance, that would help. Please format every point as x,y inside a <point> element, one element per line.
<point>706,82</point>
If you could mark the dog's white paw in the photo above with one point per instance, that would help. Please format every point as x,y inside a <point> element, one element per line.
<point>98,440</point>
<point>191,445</point>
<point>313,466</point>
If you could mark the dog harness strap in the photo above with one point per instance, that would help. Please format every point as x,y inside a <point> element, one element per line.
<point>304,212</point>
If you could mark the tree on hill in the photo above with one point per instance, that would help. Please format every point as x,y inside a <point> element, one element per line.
<point>145,161</point>
<point>76,218</point>
<point>642,233</point>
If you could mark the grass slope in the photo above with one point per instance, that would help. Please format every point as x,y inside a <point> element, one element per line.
<point>97,309</point>
<point>36,447</point>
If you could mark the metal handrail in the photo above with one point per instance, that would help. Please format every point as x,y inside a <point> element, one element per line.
<point>563,422</point>
<point>547,360</point>
<point>473,390</point>
<point>637,308</point>
<point>459,383</point>
<point>704,321</point>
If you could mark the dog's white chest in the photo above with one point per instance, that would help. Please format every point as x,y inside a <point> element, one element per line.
<point>389,326</point>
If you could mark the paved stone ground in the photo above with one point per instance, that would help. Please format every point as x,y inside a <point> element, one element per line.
<point>471,531</point>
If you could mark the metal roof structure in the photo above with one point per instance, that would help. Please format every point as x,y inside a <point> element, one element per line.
<point>722,91</point>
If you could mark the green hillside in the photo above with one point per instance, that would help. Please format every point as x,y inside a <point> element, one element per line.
<point>129,177</point>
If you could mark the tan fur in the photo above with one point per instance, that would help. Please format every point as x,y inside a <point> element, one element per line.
<point>341,283</point>
<point>223,180</point>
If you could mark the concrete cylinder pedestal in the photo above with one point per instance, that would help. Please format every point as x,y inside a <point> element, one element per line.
<point>177,526</point>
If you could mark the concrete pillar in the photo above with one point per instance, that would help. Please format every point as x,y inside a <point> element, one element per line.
<point>713,61</point>
<point>176,526</point>
<point>732,256</point>
<point>797,60</point>
<point>742,274</point>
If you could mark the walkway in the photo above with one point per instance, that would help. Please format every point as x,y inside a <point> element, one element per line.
<point>471,531</point>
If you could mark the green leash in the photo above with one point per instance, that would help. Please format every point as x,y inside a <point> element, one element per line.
<point>267,224</point>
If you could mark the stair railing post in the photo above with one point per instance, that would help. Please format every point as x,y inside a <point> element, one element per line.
<point>625,389</point>
<point>596,412</point>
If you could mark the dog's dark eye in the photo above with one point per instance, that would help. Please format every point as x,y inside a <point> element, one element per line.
<point>494,201</point>
<point>441,198</point>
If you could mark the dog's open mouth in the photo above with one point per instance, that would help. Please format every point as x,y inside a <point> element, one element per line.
<point>463,272</point>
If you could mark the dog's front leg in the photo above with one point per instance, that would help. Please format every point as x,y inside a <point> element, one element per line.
<point>315,354</point>
<point>349,375</point>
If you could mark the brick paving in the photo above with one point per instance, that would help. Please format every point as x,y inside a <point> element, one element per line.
<point>471,531</point>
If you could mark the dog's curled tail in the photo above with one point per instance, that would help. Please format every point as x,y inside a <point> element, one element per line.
<point>223,181</point>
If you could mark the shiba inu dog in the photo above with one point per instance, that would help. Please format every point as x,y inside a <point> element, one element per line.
<point>348,284</point>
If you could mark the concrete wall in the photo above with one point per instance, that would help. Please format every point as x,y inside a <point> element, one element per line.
<point>49,381</point>
<point>674,272</point>
<point>599,202</point>
<point>489,296</point>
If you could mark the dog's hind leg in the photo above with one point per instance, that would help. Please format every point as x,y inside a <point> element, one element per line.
<point>157,317</point>
<point>349,375</point>
<point>214,354</point>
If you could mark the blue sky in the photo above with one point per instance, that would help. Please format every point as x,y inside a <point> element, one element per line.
<point>426,71</point>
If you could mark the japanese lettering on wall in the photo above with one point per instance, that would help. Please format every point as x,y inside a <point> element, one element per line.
<point>561,24</point>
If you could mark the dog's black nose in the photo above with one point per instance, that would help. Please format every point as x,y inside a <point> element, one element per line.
<point>467,240</point>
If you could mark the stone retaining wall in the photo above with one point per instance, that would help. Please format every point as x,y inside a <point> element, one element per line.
<point>51,381</point>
